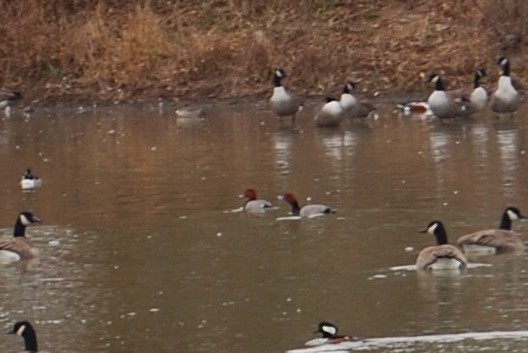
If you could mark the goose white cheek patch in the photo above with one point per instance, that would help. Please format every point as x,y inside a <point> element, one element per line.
<point>21,330</point>
<point>432,228</point>
<point>512,215</point>
<point>24,220</point>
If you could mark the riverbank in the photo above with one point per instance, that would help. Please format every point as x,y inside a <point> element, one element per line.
<point>105,51</point>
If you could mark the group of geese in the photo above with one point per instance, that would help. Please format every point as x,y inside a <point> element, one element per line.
<point>441,103</point>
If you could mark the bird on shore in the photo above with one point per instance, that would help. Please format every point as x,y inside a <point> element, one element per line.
<point>25,330</point>
<point>330,114</point>
<point>505,99</point>
<point>19,246</point>
<point>282,102</point>
<point>442,256</point>
<point>308,211</point>
<point>352,107</point>
<point>492,241</point>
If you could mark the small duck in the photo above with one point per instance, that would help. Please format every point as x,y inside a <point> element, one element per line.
<point>8,98</point>
<point>308,211</point>
<point>330,334</point>
<point>282,102</point>
<point>441,103</point>
<point>330,114</point>
<point>505,99</point>
<point>416,108</point>
<point>25,330</point>
<point>492,241</point>
<point>30,181</point>
<point>19,246</point>
<point>253,204</point>
<point>352,107</point>
<point>442,256</point>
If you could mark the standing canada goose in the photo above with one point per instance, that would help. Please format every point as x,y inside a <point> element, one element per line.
<point>26,331</point>
<point>330,114</point>
<point>505,99</point>
<point>352,107</point>
<point>330,336</point>
<point>282,102</point>
<point>253,204</point>
<point>19,246</point>
<point>442,256</point>
<point>29,181</point>
<point>491,241</point>
<point>441,103</point>
<point>7,98</point>
<point>309,211</point>
<point>478,98</point>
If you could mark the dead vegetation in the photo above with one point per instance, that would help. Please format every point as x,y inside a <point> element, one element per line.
<point>113,50</point>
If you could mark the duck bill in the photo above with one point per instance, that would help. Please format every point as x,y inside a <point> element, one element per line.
<point>422,231</point>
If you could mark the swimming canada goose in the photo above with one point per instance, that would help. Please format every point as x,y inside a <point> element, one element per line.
<point>330,114</point>
<point>491,241</point>
<point>330,336</point>
<point>441,103</point>
<point>253,204</point>
<point>19,246</point>
<point>505,99</point>
<point>442,256</point>
<point>7,98</point>
<point>25,330</point>
<point>352,107</point>
<point>306,211</point>
<point>282,102</point>
<point>29,181</point>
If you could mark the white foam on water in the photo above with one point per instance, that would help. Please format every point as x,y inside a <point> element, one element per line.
<point>288,218</point>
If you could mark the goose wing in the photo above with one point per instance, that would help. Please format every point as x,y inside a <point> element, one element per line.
<point>18,245</point>
<point>431,254</point>
<point>498,238</point>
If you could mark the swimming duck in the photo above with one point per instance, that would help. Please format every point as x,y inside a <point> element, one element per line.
<point>306,211</point>
<point>30,181</point>
<point>25,330</point>
<point>282,102</point>
<point>19,246</point>
<point>253,204</point>
<point>330,114</point>
<point>7,98</point>
<point>352,107</point>
<point>330,336</point>
<point>441,103</point>
<point>491,241</point>
<point>442,256</point>
<point>505,99</point>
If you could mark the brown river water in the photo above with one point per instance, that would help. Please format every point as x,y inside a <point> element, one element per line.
<point>142,248</point>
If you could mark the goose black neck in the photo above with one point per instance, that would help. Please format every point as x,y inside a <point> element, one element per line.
<point>30,340</point>
<point>476,80</point>
<point>506,222</point>
<point>296,210</point>
<point>506,69</point>
<point>441,235</point>
<point>439,85</point>
<point>277,81</point>
<point>20,229</point>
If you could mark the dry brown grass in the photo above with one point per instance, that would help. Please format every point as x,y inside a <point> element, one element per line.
<point>115,50</point>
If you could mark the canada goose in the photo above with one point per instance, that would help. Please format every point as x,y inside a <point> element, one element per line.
<point>26,331</point>
<point>30,181</point>
<point>330,114</point>
<point>441,103</point>
<point>491,241</point>
<point>442,256</point>
<point>329,332</point>
<point>478,97</point>
<point>282,102</point>
<point>253,204</point>
<point>19,246</point>
<point>505,99</point>
<point>7,98</point>
<point>352,107</point>
<point>306,211</point>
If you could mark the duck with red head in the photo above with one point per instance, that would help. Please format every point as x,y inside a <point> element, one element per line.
<point>308,211</point>
<point>253,204</point>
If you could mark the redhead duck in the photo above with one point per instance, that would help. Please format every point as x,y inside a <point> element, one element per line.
<point>26,331</point>
<point>330,335</point>
<point>282,102</point>
<point>19,246</point>
<point>330,114</point>
<point>306,211</point>
<point>442,256</point>
<point>30,181</point>
<point>491,241</point>
<point>253,204</point>
<point>505,99</point>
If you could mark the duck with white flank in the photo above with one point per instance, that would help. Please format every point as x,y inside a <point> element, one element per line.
<point>505,99</point>
<point>282,102</point>
<point>308,211</point>
<point>30,181</point>
<point>442,256</point>
<point>330,335</point>
<point>492,241</point>
<point>330,114</point>
<point>19,246</point>
<point>253,204</point>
